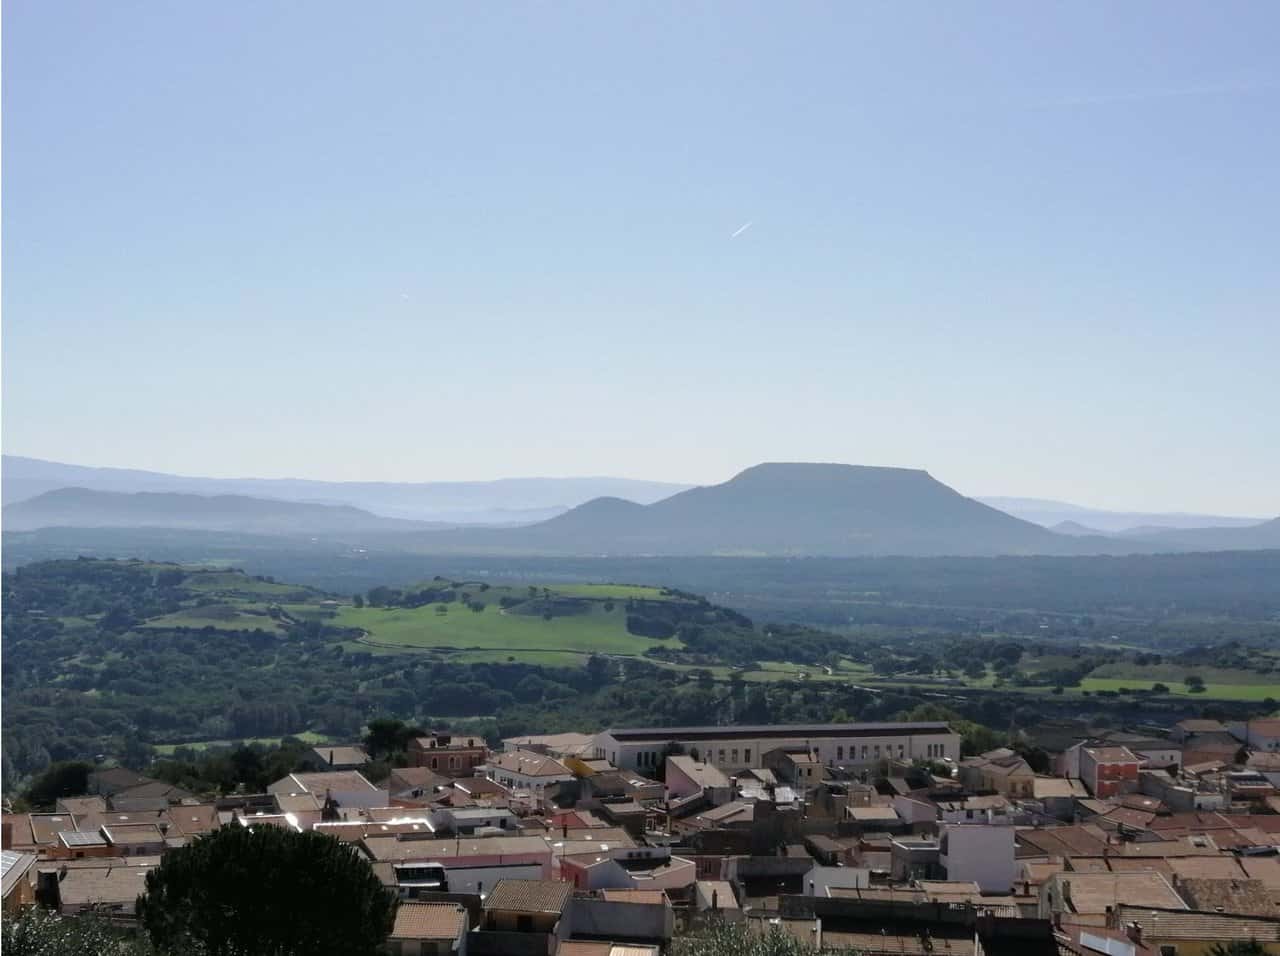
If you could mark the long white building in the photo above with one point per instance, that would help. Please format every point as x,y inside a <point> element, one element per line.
<point>740,748</point>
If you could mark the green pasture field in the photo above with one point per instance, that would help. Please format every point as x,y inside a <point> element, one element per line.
<point>1211,691</point>
<point>235,583</point>
<point>223,617</point>
<point>307,736</point>
<point>594,630</point>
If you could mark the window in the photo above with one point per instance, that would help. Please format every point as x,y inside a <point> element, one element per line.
<point>721,756</point>
<point>864,751</point>
<point>746,755</point>
<point>453,763</point>
<point>735,755</point>
<point>840,752</point>
<point>435,763</point>
<point>877,751</point>
<point>1168,950</point>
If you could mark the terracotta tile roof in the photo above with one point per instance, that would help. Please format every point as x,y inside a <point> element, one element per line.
<point>529,896</point>
<point>651,897</point>
<point>1264,868</point>
<point>1112,755</point>
<point>529,764</point>
<point>385,848</point>
<point>1062,841</point>
<point>416,920</point>
<point>1200,726</point>
<point>349,781</point>
<point>1093,893</point>
<point>345,755</point>
<point>1245,897</point>
<point>103,884</point>
<point>1165,924</point>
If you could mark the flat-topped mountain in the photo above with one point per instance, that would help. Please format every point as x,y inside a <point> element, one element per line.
<point>85,508</point>
<point>783,509</point>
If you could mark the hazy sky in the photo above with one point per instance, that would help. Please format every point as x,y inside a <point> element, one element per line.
<point>1034,248</point>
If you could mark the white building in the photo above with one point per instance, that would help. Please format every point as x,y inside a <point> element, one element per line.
<point>525,770</point>
<point>820,880</point>
<point>983,853</point>
<point>741,748</point>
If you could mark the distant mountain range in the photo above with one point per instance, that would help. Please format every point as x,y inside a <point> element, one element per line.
<point>1056,514</point>
<point>86,508</point>
<point>505,501</point>
<point>781,509</point>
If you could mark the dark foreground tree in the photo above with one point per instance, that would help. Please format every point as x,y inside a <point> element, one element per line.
<point>1238,947</point>
<point>37,932</point>
<point>734,940</point>
<point>266,890</point>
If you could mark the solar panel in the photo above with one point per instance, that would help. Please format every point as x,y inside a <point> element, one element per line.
<point>77,838</point>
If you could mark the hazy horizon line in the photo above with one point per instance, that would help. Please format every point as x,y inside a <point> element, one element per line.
<point>683,485</point>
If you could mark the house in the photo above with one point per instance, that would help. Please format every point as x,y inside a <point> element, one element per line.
<point>17,884</point>
<point>449,754</point>
<point>523,908</point>
<point>526,770</point>
<point>1002,771</point>
<point>687,777</point>
<point>1243,897</point>
<point>337,757</point>
<point>471,865</point>
<point>860,746</point>
<point>716,898</point>
<point>348,788</point>
<point>1184,933</point>
<point>109,780</point>
<point>135,839</point>
<point>641,917</point>
<point>561,746</point>
<point>415,784</point>
<point>821,879</point>
<point>1262,734</point>
<point>595,947</point>
<point>1184,730</point>
<point>1057,795</point>
<point>111,890</point>
<point>915,858</point>
<point>981,852</point>
<point>1108,771</point>
<point>1089,898</point>
<point>798,766</point>
<point>429,929</point>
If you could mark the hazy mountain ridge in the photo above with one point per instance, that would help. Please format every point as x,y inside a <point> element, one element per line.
<point>1049,514</point>
<point>88,508</point>
<point>501,501</point>
<point>781,509</point>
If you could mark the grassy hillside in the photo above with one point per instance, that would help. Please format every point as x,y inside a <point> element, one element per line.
<point>580,619</point>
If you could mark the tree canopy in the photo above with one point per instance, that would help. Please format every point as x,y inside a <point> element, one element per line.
<point>240,891</point>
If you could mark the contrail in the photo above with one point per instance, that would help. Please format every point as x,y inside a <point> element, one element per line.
<point>741,229</point>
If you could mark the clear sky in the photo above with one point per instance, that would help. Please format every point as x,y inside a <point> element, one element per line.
<point>1033,248</point>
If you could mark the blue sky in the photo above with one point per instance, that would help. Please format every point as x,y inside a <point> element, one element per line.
<point>1030,247</point>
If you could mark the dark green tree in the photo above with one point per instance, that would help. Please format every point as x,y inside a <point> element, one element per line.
<point>67,779</point>
<point>242,891</point>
